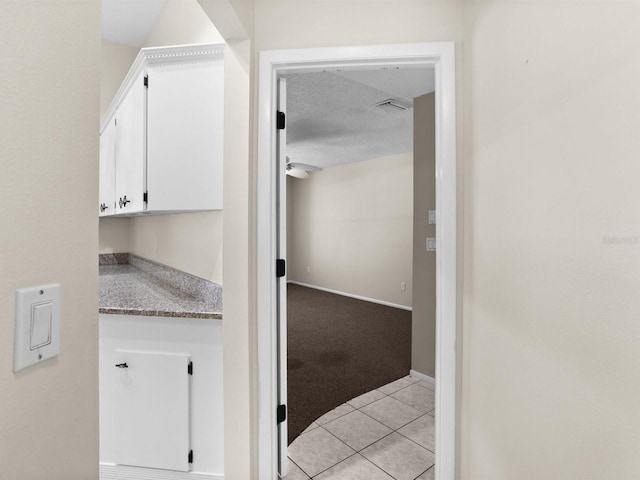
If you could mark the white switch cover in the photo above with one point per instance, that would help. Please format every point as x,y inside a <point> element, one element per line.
<point>37,325</point>
<point>431,244</point>
<point>432,217</point>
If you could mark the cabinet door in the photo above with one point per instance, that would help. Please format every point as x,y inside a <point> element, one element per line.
<point>131,150</point>
<point>106,195</point>
<point>184,136</point>
<point>151,410</point>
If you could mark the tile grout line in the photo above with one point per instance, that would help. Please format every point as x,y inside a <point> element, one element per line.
<point>399,433</point>
<point>378,467</point>
<point>403,425</point>
<point>301,469</point>
<point>381,438</point>
<point>412,440</point>
<point>331,466</point>
<point>397,430</point>
<point>425,471</point>
<point>340,416</point>
<point>391,395</point>
<point>291,460</point>
<point>350,456</point>
<point>393,430</point>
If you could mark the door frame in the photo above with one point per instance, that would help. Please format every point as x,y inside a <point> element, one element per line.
<point>276,62</point>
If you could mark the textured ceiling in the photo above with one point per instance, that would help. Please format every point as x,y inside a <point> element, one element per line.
<point>331,119</point>
<point>129,21</point>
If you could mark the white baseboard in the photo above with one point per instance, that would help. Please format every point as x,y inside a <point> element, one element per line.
<point>422,376</point>
<point>109,471</point>
<point>351,295</point>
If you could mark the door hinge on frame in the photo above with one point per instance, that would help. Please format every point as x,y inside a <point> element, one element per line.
<point>190,368</point>
<point>281,268</point>
<point>145,197</point>
<point>281,413</point>
<point>280,120</point>
<point>146,81</point>
<point>190,457</point>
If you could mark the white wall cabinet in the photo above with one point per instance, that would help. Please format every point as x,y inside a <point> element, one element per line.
<point>107,190</point>
<point>130,149</point>
<point>164,154</point>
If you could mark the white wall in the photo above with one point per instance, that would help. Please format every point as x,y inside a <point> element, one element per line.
<point>240,400</point>
<point>191,242</point>
<point>115,61</point>
<point>550,333</point>
<point>201,339</point>
<point>114,235</point>
<point>50,60</point>
<point>188,242</point>
<point>182,22</point>
<point>352,226</point>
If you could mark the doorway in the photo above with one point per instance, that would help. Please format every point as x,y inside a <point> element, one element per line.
<point>272,441</point>
<point>350,256</point>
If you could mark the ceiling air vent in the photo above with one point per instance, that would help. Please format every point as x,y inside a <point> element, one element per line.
<point>393,105</point>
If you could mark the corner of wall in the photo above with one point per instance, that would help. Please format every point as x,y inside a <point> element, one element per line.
<point>50,57</point>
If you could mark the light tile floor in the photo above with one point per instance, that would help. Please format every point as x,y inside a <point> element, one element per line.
<point>385,434</point>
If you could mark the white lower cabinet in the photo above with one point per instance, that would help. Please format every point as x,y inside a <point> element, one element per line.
<point>153,413</point>
<point>151,405</point>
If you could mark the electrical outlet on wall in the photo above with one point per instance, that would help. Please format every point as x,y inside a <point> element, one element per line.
<point>403,286</point>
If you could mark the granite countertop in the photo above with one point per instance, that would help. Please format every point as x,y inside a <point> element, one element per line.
<point>131,285</point>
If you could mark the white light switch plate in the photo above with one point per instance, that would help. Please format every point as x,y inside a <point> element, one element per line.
<point>432,217</point>
<point>37,325</point>
<point>431,244</point>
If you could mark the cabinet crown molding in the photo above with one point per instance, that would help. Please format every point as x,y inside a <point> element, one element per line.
<point>162,56</point>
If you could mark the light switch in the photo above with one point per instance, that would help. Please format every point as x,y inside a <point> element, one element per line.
<point>431,244</point>
<point>37,325</point>
<point>432,217</point>
<point>40,325</point>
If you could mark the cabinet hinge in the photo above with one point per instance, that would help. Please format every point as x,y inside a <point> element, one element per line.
<point>280,120</point>
<point>146,81</point>
<point>145,197</point>
<point>190,458</point>
<point>281,413</point>
<point>281,268</point>
<point>190,368</point>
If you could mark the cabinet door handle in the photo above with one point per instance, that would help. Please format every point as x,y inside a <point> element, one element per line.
<point>124,201</point>
<point>103,207</point>
<point>122,365</point>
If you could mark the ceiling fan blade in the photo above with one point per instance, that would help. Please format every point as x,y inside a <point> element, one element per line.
<point>304,166</point>
<point>295,172</point>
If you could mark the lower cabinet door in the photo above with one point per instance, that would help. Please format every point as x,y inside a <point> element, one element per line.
<point>151,400</point>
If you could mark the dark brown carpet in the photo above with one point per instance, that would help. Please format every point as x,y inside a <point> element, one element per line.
<point>339,348</point>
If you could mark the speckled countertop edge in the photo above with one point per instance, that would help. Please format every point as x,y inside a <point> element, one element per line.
<point>159,313</point>
<point>131,285</point>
